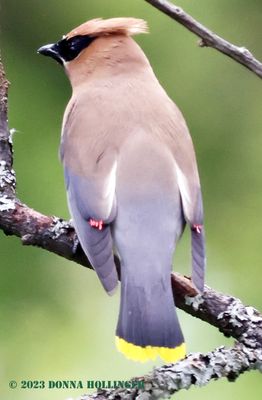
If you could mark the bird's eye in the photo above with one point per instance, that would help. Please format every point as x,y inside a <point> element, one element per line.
<point>70,48</point>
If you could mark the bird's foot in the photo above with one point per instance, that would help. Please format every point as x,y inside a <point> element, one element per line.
<point>96,224</point>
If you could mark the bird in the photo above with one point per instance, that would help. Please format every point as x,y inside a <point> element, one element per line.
<point>131,179</point>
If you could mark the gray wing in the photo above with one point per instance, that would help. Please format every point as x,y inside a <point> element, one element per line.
<point>87,200</point>
<point>190,190</point>
<point>192,204</point>
<point>90,174</point>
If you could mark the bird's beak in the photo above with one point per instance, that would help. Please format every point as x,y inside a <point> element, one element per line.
<point>48,50</point>
<point>51,50</point>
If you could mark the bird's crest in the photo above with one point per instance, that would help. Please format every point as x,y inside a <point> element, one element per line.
<point>103,27</point>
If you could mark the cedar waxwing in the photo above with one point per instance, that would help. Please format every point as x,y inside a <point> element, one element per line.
<point>131,178</point>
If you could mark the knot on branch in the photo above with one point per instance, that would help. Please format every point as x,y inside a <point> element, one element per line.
<point>202,43</point>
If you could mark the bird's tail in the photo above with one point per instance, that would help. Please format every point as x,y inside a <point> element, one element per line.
<point>148,325</point>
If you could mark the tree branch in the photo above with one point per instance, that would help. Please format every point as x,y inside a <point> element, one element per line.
<point>226,313</point>
<point>208,38</point>
<point>7,175</point>
<point>196,369</point>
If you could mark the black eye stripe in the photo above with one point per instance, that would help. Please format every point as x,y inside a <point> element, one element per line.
<point>70,48</point>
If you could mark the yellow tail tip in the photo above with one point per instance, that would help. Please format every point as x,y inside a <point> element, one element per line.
<point>143,354</point>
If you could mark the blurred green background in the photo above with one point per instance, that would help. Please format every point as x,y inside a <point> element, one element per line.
<point>56,321</point>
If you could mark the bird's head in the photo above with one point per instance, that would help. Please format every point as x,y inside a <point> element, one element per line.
<point>73,44</point>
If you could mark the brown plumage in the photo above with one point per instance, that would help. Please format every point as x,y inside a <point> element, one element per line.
<point>114,26</point>
<point>130,171</point>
